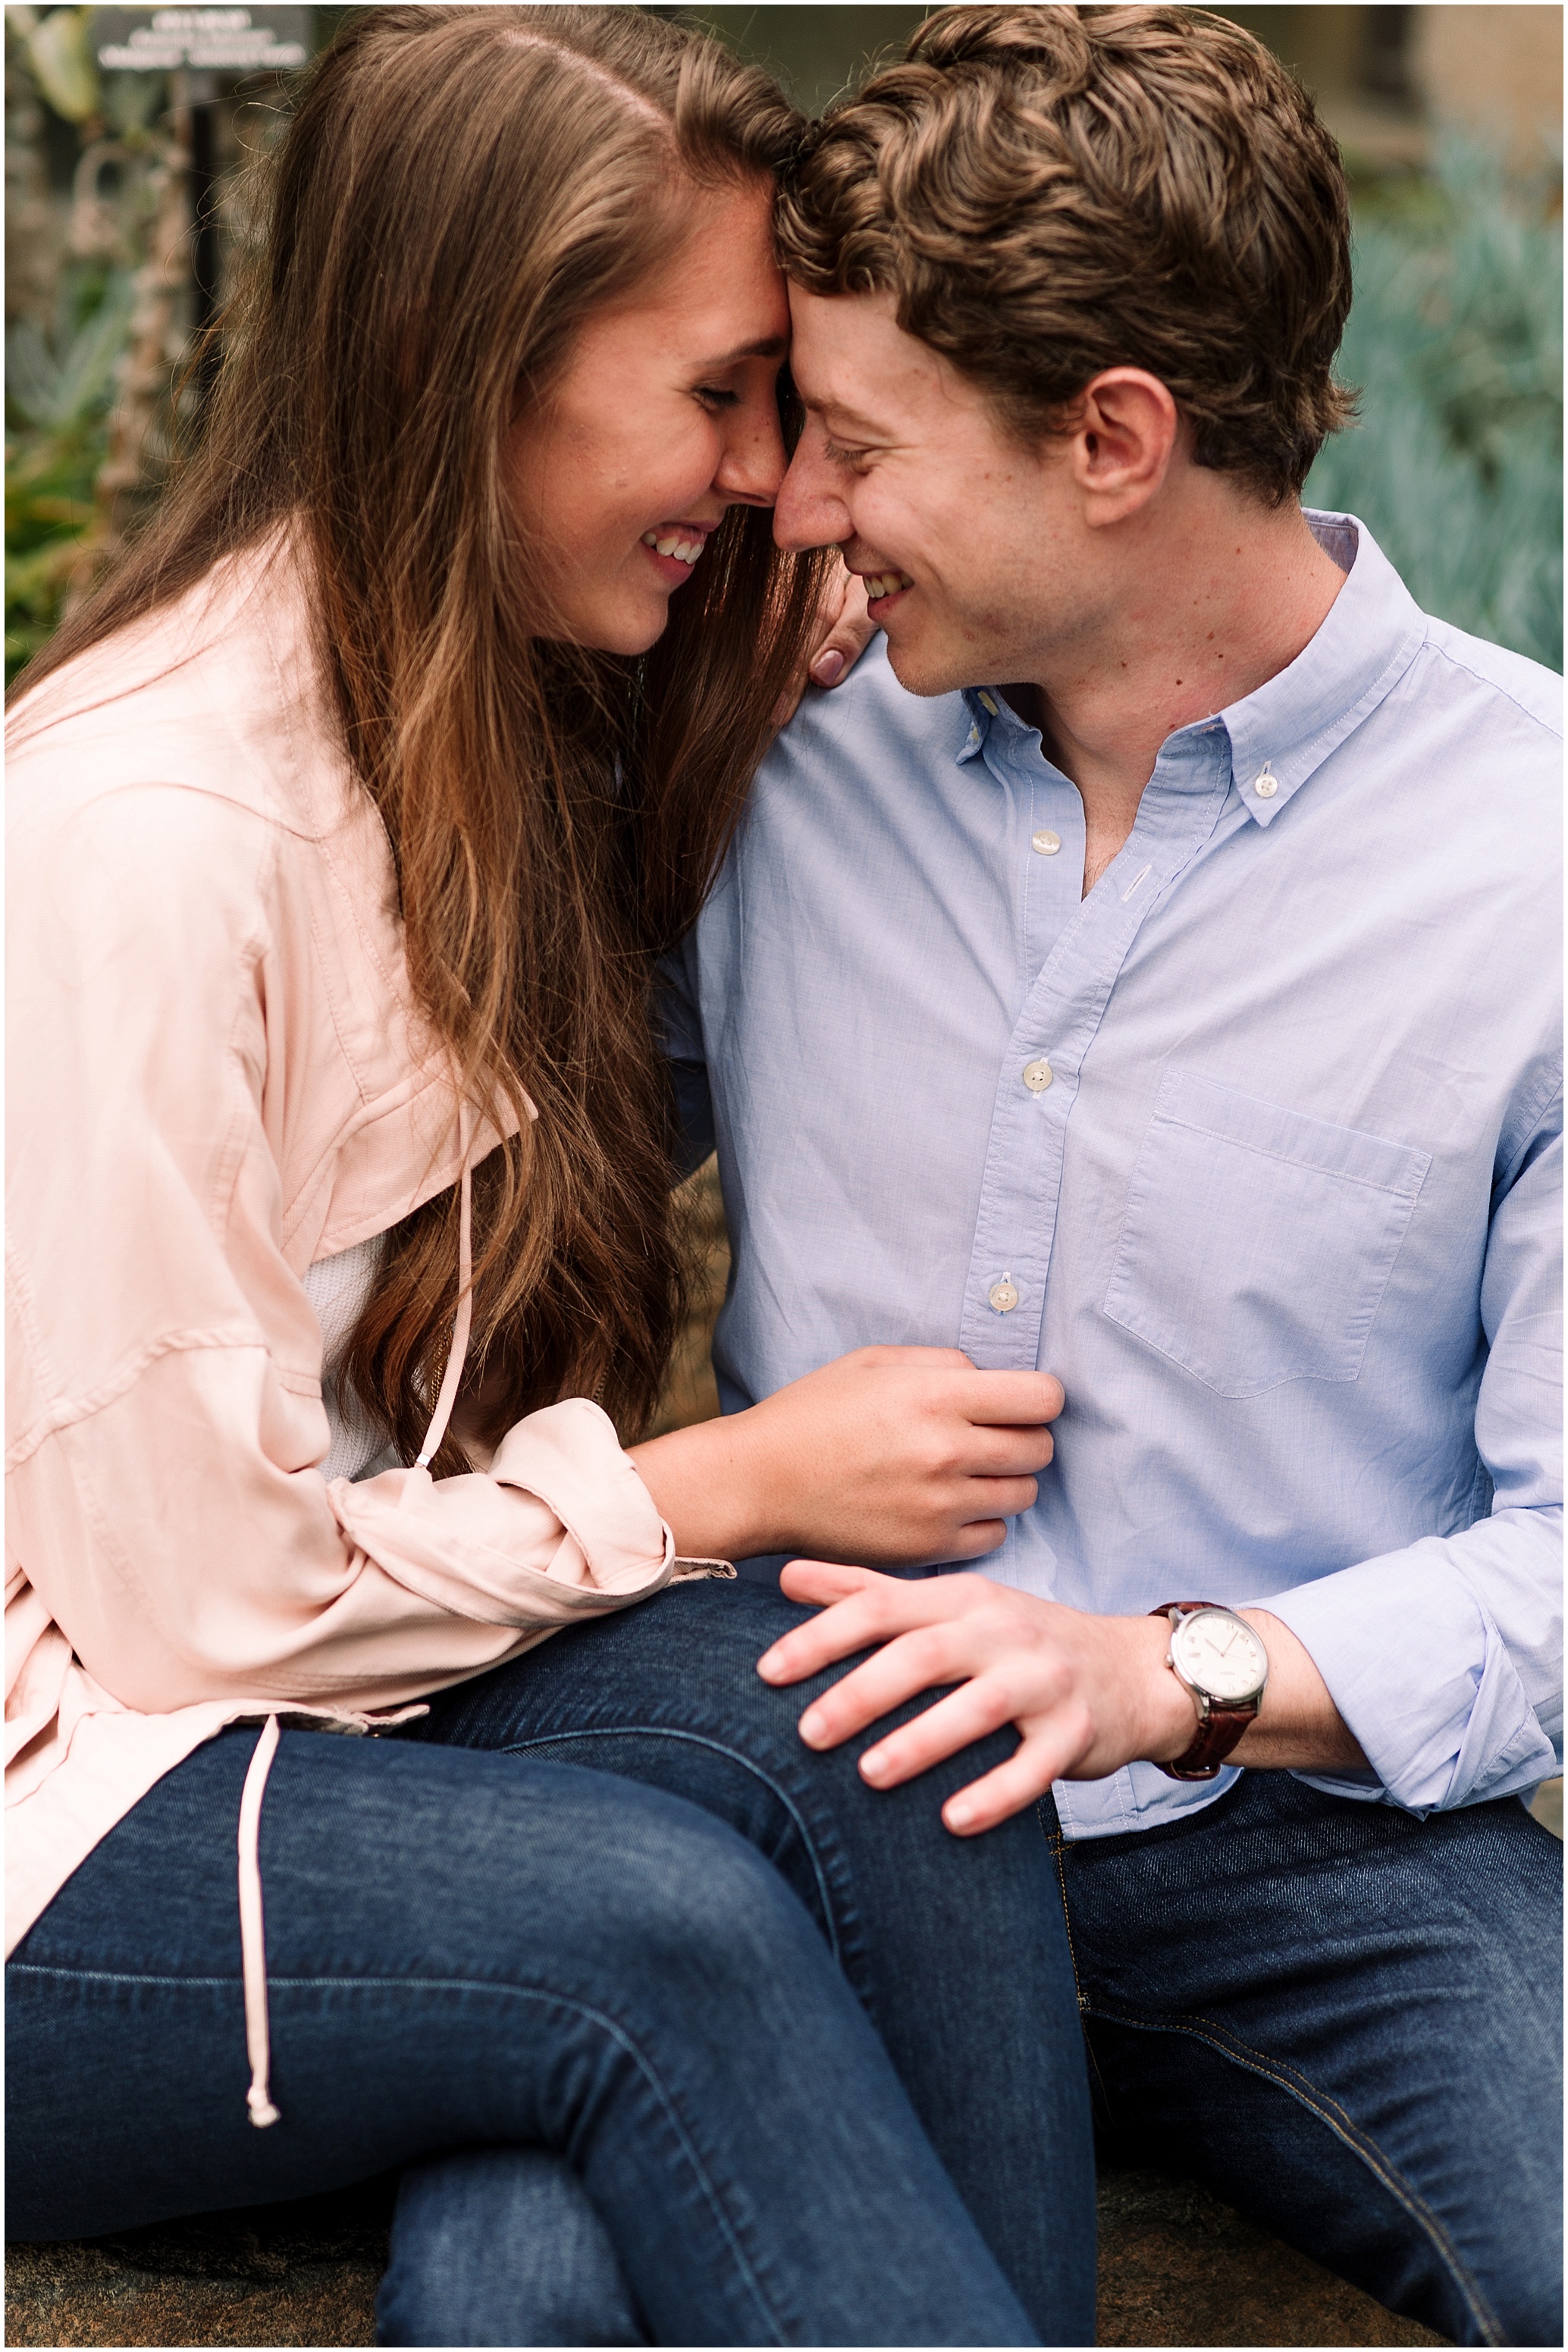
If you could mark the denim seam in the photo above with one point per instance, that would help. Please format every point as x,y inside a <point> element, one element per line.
<point>608,2025</point>
<point>701,1739</point>
<point>1056,1843</point>
<point>1297,2086</point>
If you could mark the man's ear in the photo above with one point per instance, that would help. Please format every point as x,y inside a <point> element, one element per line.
<point>1123,438</point>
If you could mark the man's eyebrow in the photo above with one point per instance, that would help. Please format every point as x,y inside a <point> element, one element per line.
<point>770,347</point>
<point>842,413</point>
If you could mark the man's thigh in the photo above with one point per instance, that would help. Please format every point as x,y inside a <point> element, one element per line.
<point>1348,2022</point>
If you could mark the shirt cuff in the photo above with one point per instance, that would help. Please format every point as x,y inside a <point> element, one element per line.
<point>1422,1678</point>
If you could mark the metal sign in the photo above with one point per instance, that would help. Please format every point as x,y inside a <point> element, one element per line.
<point>206,40</point>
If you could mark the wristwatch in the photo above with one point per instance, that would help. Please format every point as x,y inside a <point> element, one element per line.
<point>1217,1657</point>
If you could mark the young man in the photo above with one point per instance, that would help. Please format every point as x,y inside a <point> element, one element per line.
<point>1143,971</point>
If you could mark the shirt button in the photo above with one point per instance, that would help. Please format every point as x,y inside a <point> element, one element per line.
<point>1038,1076</point>
<point>1266,785</point>
<point>990,706</point>
<point>1004,1295</point>
<point>1047,843</point>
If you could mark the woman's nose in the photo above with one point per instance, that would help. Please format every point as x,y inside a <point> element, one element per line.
<point>752,465</point>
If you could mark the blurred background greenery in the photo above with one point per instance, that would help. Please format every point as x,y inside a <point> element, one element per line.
<point>1450,116</point>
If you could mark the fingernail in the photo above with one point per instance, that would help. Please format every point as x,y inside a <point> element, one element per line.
<point>769,1666</point>
<point>875,1766</point>
<point>812,1727</point>
<point>958,1816</point>
<point>827,669</point>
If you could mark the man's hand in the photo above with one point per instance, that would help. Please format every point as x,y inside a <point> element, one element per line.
<point>1088,1694</point>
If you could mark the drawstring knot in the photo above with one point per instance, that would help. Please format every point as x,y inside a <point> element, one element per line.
<point>252,1930</point>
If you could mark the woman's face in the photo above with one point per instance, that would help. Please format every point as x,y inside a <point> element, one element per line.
<point>665,415</point>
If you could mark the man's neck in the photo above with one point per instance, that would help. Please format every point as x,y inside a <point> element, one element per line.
<point>1218,617</point>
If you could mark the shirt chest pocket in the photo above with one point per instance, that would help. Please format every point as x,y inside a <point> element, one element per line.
<point>1258,1243</point>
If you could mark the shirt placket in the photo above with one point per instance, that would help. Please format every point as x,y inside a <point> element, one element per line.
<point>1038,1084</point>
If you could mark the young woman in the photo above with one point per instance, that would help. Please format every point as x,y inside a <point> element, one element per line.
<point>347,823</point>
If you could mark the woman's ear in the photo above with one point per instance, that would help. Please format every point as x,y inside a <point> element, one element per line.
<point>1127,429</point>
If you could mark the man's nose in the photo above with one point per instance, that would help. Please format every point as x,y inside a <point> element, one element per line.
<point>808,511</point>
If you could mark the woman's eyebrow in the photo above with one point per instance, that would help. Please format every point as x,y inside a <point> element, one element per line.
<point>770,347</point>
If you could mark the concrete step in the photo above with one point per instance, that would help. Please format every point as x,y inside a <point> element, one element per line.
<point>1175,2267</point>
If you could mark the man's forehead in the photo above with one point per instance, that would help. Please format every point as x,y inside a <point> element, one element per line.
<point>850,357</point>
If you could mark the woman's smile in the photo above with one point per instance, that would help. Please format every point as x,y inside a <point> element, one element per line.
<point>675,548</point>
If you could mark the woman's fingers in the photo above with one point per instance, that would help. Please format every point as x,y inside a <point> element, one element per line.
<point>852,631</point>
<point>846,630</point>
<point>1000,1398</point>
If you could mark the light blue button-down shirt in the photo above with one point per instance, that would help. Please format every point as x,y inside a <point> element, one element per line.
<point>1258,1148</point>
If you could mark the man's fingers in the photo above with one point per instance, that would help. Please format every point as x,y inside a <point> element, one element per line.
<point>822,1580</point>
<point>914,1661</point>
<point>972,1713</point>
<point>1006,1789</point>
<point>867,1609</point>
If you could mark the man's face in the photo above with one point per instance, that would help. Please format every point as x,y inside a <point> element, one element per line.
<point>970,537</point>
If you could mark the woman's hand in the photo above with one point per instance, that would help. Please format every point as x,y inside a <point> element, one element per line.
<point>845,630</point>
<point>1088,1694</point>
<point>898,1454</point>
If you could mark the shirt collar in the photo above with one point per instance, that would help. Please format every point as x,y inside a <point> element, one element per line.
<point>1371,636</point>
<point>1282,734</point>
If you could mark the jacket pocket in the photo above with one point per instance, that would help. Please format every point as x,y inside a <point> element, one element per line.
<point>1258,1243</point>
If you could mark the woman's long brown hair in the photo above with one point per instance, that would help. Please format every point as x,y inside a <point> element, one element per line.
<point>459,188</point>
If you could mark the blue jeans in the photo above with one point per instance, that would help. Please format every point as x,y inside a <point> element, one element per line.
<point>1347,2023</point>
<point>1344,2019</point>
<point>498,1955</point>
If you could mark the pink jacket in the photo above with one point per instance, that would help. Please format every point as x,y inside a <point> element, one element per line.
<point>216,1077</point>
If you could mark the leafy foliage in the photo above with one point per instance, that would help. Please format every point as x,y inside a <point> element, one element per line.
<point>59,385</point>
<point>1456,340</point>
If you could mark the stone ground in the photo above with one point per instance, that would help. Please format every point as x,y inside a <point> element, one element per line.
<point>1176,2267</point>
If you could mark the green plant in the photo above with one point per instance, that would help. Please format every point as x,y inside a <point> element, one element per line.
<point>59,385</point>
<point>1456,340</point>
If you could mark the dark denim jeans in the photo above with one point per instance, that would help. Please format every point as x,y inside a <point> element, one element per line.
<point>499,1956</point>
<point>956,1948</point>
<point>1346,2021</point>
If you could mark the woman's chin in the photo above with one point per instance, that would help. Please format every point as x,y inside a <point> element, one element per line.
<point>630,629</point>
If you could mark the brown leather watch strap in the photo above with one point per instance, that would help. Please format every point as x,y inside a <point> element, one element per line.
<point>1220,1726</point>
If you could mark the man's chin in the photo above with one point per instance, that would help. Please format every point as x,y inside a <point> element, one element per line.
<point>924,666</point>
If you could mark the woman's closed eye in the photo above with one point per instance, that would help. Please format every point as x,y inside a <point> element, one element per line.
<point>715,397</point>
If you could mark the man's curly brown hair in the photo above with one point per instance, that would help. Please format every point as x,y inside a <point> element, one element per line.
<point>1050,191</point>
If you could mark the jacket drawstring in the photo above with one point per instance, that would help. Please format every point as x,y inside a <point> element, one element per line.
<point>252,1925</point>
<point>252,1933</point>
<point>457,1355</point>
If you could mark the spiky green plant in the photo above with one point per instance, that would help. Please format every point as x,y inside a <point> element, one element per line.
<point>59,384</point>
<point>1456,340</point>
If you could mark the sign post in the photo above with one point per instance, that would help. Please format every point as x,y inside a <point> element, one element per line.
<point>196,46</point>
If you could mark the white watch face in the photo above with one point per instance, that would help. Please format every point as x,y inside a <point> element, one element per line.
<point>1220,1653</point>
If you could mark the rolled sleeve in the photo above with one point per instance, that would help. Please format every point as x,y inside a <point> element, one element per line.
<point>1422,1674</point>
<point>1445,1658</point>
